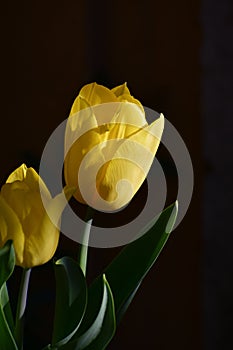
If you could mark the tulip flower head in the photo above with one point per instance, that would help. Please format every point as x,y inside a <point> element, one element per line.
<point>24,219</point>
<point>109,146</point>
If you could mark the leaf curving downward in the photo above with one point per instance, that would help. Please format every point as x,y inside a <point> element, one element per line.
<point>98,326</point>
<point>71,298</point>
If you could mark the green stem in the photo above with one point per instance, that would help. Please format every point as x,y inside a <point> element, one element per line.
<point>21,306</point>
<point>82,258</point>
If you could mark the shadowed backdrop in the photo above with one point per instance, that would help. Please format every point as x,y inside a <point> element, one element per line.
<point>51,49</point>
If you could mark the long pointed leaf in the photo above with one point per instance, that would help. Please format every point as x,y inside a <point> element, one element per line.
<point>126,272</point>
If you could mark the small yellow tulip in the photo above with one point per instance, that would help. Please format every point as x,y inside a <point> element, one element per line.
<point>109,146</point>
<point>24,219</point>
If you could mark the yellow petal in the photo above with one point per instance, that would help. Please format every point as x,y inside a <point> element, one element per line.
<point>104,152</point>
<point>131,163</point>
<point>56,206</point>
<point>122,179</point>
<point>40,250</point>
<point>90,95</point>
<point>77,125</point>
<point>97,136</point>
<point>118,120</point>
<point>105,112</point>
<point>123,95</point>
<point>121,90</point>
<point>15,194</point>
<point>129,98</point>
<point>150,135</point>
<point>75,157</point>
<point>109,184</point>
<point>30,178</point>
<point>120,130</point>
<point>78,104</point>
<point>42,244</point>
<point>42,238</point>
<point>131,117</point>
<point>96,94</point>
<point>27,205</point>
<point>35,183</point>
<point>10,228</point>
<point>18,174</point>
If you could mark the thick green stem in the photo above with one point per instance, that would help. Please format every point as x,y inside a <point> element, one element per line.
<point>82,258</point>
<point>21,306</point>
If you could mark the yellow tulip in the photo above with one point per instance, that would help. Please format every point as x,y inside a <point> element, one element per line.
<point>24,219</point>
<point>109,146</point>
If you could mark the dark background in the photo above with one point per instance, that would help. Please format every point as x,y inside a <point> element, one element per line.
<point>177,59</point>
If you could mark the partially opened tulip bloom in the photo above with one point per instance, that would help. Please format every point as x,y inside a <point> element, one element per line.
<point>109,146</point>
<point>24,219</point>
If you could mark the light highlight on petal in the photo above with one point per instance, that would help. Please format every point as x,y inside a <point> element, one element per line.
<point>109,162</point>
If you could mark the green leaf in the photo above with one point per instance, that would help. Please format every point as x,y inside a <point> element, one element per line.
<point>98,326</point>
<point>7,261</point>
<point>71,299</point>
<point>7,264</point>
<point>126,272</point>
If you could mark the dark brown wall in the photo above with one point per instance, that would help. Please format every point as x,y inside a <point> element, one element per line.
<point>53,48</point>
<point>217,97</point>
